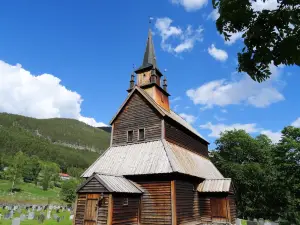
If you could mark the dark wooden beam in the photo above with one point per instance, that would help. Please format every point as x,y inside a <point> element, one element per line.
<point>110,210</point>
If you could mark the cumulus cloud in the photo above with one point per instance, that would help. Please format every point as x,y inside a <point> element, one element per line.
<point>41,96</point>
<point>190,5</point>
<point>296,123</point>
<point>260,5</point>
<point>189,118</point>
<point>175,39</point>
<point>217,129</point>
<point>234,37</point>
<point>241,91</point>
<point>251,128</point>
<point>218,54</point>
<point>274,136</point>
<point>214,15</point>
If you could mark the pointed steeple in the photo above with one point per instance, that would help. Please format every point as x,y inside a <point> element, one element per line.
<point>149,55</point>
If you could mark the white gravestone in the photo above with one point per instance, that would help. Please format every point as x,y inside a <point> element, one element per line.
<point>31,215</point>
<point>16,221</point>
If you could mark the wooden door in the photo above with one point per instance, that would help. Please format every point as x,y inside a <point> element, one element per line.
<point>91,209</point>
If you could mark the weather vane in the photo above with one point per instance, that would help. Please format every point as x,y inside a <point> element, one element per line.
<point>150,19</point>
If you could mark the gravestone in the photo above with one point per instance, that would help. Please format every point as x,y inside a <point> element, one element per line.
<point>238,222</point>
<point>11,214</point>
<point>41,218</point>
<point>7,216</point>
<point>71,217</point>
<point>48,215</point>
<point>15,207</point>
<point>55,216</point>
<point>31,215</point>
<point>22,217</point>
<point>16,221</point>
<point>261,221</point>
<point>58,219</point>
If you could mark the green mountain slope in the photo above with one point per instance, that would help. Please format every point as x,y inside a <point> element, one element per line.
<point>67,142</point>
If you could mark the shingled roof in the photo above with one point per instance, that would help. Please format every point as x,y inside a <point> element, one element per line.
<point>155,157</point>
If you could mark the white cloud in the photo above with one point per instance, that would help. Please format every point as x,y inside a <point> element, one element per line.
<point>219,118</point>
<point>190,5</point>
<point>274,136</point>
<point>217,129</point>
<point>233,38</point>
<point>296,123</point>
<point>175,39</point>
<point>214,15</point>
<point>189,118</point>
<point>224,111</point>
<point>241,91</point>
<point>39,96</point>
<point>260,5</point>
<point>218,54</point>
<point>176,99</point>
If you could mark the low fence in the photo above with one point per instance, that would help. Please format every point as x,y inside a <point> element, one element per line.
<point>255,222</point>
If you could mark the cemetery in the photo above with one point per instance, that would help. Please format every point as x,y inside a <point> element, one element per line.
<point>35,214</point>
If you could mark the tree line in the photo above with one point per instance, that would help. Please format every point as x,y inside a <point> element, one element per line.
<point>31,169</point>
<point>266,176</point>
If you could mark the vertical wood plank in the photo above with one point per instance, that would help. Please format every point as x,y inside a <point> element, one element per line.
<point>112,134</point>
<point>75,210</point>
<point>162,129</point>
<point>228,210</point>
<point>173,202</point>
<point>110,209</point>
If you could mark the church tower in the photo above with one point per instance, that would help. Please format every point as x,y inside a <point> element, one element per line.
<point>149,76</point>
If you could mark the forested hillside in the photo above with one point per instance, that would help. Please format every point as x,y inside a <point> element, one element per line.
<point>67,142</point>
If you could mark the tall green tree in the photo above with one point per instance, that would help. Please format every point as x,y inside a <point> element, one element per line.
<point>248,161</point>
<point>68,190</point>
<point>49,175</point>
<point>270,35</point>
<point>15,170</point>
<point>32,169</point>
<point>75,172</point>
<point>287,159</point>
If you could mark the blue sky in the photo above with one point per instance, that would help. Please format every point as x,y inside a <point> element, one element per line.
<point>74,59</point>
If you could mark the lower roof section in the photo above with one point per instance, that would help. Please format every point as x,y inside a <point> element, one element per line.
<point>155,157</point>
<point>215,185</point>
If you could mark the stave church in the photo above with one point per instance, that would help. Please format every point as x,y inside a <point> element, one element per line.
<point>157,168</point>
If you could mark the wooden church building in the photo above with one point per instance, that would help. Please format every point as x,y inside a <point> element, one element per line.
<point>157,169</point>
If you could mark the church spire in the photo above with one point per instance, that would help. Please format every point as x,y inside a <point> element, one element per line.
<point>149,55</point>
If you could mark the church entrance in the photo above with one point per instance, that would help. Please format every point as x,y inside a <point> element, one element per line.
<point>91,209</point>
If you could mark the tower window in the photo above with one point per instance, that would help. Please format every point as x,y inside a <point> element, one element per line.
<point>142,134</point>
<point>125,201</point>
<point>130,136</point>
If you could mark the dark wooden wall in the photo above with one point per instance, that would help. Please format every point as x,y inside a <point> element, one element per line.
<point>156,203</point>
<point>125,214</point>
<point>187,203</point>
<point>81,209</point>
<point>137,113</point>
<point>93,186</point>
<point>232,206</point>
<point>205,209</point>
<point>180,137</point>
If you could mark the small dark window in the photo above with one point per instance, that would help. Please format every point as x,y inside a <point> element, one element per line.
<point>130,136</point>
<point>141,134</point>
<point>125,201</point>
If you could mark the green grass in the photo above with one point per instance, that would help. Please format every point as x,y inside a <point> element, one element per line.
<point>29,194</point>
<point>65,221</point>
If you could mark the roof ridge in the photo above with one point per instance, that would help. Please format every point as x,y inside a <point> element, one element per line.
<point>165,144</point>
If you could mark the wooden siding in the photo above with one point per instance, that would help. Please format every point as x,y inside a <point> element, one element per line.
<point>80,209</point>
<point>180,137</point>
<point>137,113</point>
<point>205,209</point>
<point>93,186</point>
<point>232,208</point>
<point>103,211</point>
<point>125,214</point>
<point>187,203</point>
<point>156,203</point>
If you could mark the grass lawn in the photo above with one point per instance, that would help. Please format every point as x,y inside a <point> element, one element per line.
<point>29,193</point>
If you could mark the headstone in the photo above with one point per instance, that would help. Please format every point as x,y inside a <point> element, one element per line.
<point>261,221</point>
<point>11,214</point>
<point>55,216</point>
<point>71,217</point>
<point>238,222</point>
<point>15,207</point>
<point>22,217</point>
<point>58,219</point>
<point>41,218</point>
<point>31,215</point>
<point>48,215</point>
<point>16,221</point>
